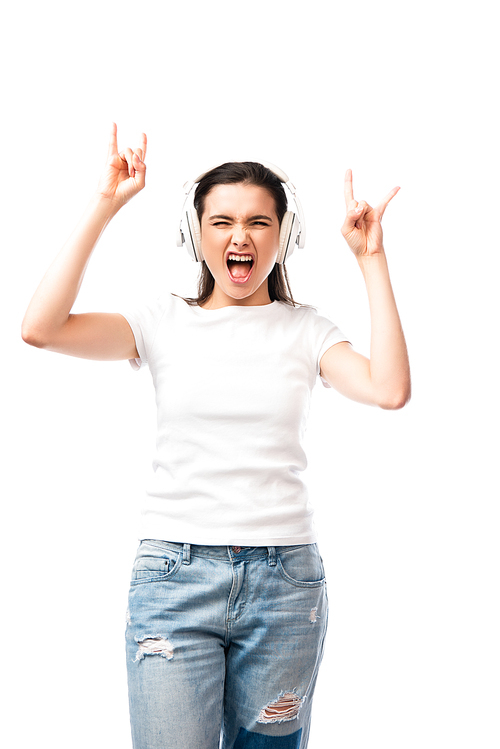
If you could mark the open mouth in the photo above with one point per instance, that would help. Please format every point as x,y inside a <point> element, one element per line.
<point>239,266</point>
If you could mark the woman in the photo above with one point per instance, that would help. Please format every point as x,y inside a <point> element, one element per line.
<point>227,609</point>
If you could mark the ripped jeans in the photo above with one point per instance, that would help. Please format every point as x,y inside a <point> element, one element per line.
<point>224,645</point>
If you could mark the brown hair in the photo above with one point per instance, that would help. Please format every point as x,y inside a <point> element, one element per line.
<point>249,173</point>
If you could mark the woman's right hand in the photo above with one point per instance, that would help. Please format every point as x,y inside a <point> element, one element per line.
<point>125,173</point>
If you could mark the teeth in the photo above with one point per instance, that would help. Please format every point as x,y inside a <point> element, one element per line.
<point>241,258</point>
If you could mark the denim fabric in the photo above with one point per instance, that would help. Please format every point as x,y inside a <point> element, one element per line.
<point>252,740</point>
<point>224,645</point>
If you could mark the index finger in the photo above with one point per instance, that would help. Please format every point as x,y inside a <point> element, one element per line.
<point>348,193</point>
<point>113,144</point>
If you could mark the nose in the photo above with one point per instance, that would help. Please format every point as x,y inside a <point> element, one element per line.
<point>240,236</point>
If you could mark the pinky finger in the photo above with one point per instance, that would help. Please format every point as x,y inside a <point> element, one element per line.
<point>140,171</point>
<point>385,202</point>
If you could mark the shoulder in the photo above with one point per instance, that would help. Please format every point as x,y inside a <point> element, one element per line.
<point>311,325</point>
<point>146,314</point>
<point>298,312</point>
<point>316,327</point>
<point>306,315</point>
<point>152,308</point>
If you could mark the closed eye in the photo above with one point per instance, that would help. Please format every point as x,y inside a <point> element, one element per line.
<point>226,223</point>
<point>256,220</point>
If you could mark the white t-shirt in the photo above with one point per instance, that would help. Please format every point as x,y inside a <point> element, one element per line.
<point>233,389</point>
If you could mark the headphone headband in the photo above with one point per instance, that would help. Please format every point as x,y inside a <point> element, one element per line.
<point>292,230</point>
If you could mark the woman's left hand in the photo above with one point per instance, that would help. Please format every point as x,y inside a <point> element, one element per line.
<point>362,228</point>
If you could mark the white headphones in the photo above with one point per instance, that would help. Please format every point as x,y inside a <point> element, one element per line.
<point>292,230</point>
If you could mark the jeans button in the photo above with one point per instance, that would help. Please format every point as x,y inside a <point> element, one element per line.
<point>236,549</point>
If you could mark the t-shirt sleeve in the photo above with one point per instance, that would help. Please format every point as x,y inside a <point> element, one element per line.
<point>326,335</point>
<point>144,321</point>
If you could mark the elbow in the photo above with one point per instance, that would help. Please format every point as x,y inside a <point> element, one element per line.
<point>38,333</point>
<point>30,335</point>
<point>394,405</point>
<point>395,400</point>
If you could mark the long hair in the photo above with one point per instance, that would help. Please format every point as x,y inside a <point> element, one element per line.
<point>248,173</point>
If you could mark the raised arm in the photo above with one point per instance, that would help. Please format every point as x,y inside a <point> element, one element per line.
<point>48,322</point>
<point>383,379</point>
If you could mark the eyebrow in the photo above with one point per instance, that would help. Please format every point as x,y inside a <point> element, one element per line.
<point>252,218</point>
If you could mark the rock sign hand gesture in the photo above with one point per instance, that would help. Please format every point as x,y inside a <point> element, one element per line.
<point>125,173</point>
<point>362,228</point>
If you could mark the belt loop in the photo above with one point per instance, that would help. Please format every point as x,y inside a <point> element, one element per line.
<point>271,551</point>
<point>186,554</point>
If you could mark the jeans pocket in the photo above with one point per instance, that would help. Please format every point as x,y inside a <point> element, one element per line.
<point>155,563</point>
<point>301,566</point>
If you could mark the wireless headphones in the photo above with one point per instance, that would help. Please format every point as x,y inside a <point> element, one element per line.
<point>292,230</point>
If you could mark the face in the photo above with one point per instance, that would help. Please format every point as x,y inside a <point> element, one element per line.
<point>240,242</point>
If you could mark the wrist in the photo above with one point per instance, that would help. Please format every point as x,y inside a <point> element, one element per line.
<point>104,207</point>
<point>373,263</point>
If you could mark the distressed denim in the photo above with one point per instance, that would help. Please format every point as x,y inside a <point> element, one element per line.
<point>224,645</point>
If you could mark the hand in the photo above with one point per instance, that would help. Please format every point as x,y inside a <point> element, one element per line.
<point>125,173</point>
<point>362,228</point>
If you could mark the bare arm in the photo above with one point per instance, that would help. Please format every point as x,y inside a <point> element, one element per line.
<point>384,379</point>
<point>48,322</point>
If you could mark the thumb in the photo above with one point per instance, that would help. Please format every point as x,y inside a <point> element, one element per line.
<point>353,216</point>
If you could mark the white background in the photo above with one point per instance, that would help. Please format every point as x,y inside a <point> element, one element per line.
<point>406,502</point>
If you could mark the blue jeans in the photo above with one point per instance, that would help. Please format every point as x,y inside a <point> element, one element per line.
<point>224,645</point>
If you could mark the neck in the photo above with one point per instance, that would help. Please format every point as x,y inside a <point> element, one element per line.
<point>219,299</point>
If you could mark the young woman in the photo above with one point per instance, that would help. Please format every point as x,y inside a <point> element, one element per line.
<point>227,609</point>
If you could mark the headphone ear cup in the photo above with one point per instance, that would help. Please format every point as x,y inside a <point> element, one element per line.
<point>192,235</point>
<point>196,234</point>
<point>288,234</point>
